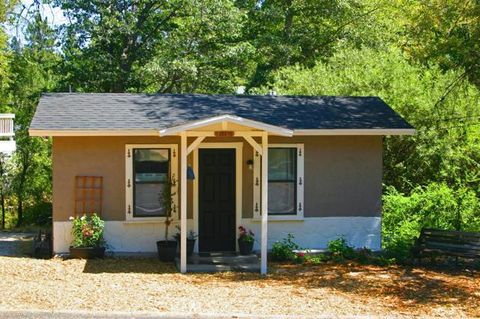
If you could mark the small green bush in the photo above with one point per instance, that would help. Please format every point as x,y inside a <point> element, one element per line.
<point>284,250</point>
<point>316,259</point>
<point>339,249</point>
<point>434,206</point>
<point>364,255</point>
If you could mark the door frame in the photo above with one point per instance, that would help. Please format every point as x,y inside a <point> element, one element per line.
<point>238,147</point>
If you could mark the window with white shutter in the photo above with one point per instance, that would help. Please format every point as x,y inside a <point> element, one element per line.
<point>285,182</point>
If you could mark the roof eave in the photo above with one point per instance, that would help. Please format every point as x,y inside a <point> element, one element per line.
<point>92,132</point>
<point>169,132</point>
<point>369,131</point>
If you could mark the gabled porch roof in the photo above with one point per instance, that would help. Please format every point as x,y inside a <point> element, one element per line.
<point>224,121</point>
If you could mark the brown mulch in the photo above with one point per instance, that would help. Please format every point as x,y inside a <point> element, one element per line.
<point>148,285</point>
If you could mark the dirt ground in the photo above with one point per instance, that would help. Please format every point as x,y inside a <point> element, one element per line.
<point>326,290</point>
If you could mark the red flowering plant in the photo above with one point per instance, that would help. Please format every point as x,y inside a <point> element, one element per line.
<point>300,257</point>
<point>246,235</point>
<point>87,231</point>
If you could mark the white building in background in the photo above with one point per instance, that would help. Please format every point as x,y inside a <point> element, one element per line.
<point>7,134</point>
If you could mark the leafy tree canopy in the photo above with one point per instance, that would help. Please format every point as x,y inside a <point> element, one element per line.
<point>106,40</point>
<point>446,118</point>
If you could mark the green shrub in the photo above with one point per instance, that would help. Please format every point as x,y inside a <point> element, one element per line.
<point>339,249</point>
<point>40,213</point>
<point>364,255</point>
<point>434,206</point>
<point>316,259</point>
<point>284,250</point>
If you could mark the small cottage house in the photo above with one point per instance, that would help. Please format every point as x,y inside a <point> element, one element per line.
<point>309,166</point>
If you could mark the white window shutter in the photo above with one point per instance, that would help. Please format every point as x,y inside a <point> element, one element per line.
<point>175,178</point>
<point>300,179</point>
<point>128,182</point>
<point>257,182</point>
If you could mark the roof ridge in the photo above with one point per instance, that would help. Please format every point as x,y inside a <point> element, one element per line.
<point>214,95</point>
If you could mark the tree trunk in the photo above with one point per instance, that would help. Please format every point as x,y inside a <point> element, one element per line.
<point>2,189</point>
<point>21,188</point>
<point>2,199</point>
<point>20,212</point>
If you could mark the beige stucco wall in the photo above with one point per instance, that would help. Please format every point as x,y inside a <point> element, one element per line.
<point>343,174</point>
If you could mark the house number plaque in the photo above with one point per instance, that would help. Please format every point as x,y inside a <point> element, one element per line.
<point>224,133</point>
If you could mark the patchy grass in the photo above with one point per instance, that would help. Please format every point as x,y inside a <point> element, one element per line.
<point>148,285</point>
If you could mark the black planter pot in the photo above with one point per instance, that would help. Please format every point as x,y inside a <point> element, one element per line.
<point>87,252</point>
<point>245,247</point>
<point>166,250</point>
<point>190,247</point>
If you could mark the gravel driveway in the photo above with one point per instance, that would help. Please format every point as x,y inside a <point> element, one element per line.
<point>16,244</point>
<point>130,287</point>
<point>126,315</point>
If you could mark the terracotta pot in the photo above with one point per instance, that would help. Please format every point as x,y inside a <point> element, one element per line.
<point>167,250</point>
<point>245,247</point>
<point>87,252</point>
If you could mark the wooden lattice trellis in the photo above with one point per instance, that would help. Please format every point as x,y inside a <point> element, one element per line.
<point>88,195</point>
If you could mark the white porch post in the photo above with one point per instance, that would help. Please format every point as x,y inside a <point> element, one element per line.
<point>264,245</point>
<point>183,202</point>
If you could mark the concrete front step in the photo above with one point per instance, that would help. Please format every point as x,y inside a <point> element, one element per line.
<point>221,262</point>
<point>227,260</point>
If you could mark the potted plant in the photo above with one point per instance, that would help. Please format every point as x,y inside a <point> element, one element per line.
<point>245,241</point>
<point>167,248</point>
<point>191,238</point>
<point>88,241</point>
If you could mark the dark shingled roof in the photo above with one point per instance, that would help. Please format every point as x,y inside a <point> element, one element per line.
<point>110,111</point>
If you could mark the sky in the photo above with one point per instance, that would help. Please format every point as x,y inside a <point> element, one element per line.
<point>54,16</point>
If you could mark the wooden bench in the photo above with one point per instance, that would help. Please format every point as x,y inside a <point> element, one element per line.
<point>434,242</point>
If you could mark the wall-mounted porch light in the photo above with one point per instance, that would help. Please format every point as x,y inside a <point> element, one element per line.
<point>250,164</point>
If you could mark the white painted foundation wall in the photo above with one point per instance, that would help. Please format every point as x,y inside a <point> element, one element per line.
<point>311,233</point>
<point>316,232</point>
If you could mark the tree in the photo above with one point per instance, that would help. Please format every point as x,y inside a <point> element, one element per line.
<point>5,7</point>
<point>204,53</point>
<point>445,32</point>
<point>290,32</point>
<point>106,40</point>
<point>5,179</point>
<point>34,68</point>
<point>446,146</point>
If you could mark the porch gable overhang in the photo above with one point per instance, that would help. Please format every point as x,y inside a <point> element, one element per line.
<point>227,118</point>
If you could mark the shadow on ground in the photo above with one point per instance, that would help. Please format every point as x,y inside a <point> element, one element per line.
<point>396,286</point>
<point>410,287</point>
<point>144,265</point>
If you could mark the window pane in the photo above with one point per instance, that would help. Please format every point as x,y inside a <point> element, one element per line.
<point>151,172</point>
<point>151,165</point>
<point>281,198</point>
<point>281,164</point>
<point>148,200</point>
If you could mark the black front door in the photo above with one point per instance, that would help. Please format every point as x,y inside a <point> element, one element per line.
<point>216,200</point>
